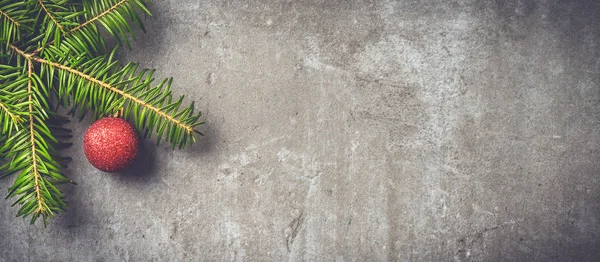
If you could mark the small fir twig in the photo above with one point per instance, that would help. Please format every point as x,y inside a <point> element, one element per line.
<point>54,48</point>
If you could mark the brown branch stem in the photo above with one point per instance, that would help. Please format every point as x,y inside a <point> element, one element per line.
<point>14,117</point>
<point>134,99</point>
<point>112,8</point>
<point>36,174</point>
<point>19,51</point>
<point>84,24</point>
<point>10,18</point>
<point>51,17</point>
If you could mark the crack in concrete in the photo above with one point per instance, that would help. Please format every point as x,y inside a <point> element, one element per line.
<point>293,229</point>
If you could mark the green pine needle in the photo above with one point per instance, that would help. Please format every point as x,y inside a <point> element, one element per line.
<point>54,49</point>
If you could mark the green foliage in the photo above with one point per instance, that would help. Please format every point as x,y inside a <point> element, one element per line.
<point>53,50</point>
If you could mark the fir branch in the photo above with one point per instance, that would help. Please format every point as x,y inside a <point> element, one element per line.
<point>55,46</point>
<point>113,21</point>
<point>12,99</point>
<point>10,18</point>
<point>15,16</point>
<point>93,19</point>
<point>51,16</point>
<point>19,51</point>
<point>13,117</point>
<point>189,129</point>
<point>32,155</point>
<point>36,175</point>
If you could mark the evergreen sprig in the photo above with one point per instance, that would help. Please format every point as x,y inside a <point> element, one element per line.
<point>53,53</point>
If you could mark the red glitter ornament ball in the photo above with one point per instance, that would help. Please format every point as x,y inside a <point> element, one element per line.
<point>110,144</point>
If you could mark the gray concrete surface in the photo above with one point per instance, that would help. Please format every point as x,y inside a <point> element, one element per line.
<point>353,131</point>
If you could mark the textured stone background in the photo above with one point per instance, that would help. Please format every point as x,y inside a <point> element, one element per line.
<point>353,130</point>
